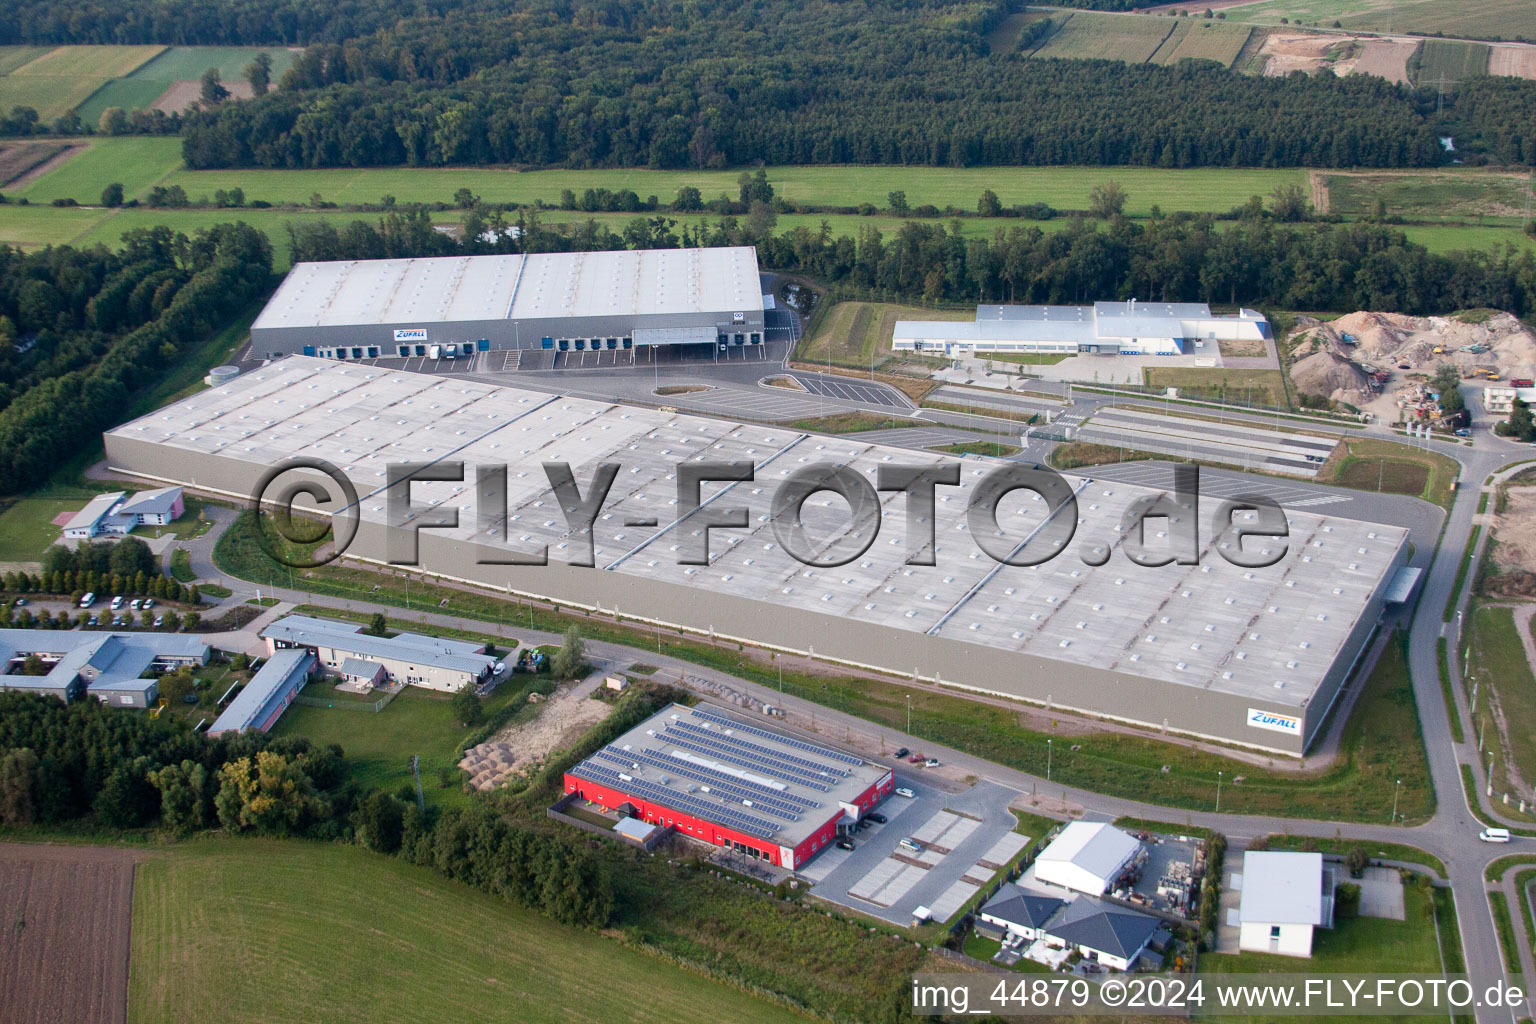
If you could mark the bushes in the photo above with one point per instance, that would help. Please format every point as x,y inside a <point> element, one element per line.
<point>1210,889</point>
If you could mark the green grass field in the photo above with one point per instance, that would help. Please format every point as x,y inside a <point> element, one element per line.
<point>187,63</point>
<point>128,93</point>
<point>1203,40</point>
<point>33,227</point>
<point>87,62</point>
<point>1496,196</point>
<point>1498,659</point>
<point>13,57</point>
<point>1108,37</point>
<point>380,745</point>
<point>50,96</point>
<point>1261,387</point>
<point>1199,189</point>
<point>855,333</point>
<point>1451,62</point>
<point>135,162</point>
<point>26,525</point>
<point>258,931</point>
<point>1473,19</point>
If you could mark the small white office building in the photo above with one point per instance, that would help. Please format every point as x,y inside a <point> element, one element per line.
<point>1284,897</point>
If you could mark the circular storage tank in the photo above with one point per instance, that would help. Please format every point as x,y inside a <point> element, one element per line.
<point>221,375</point>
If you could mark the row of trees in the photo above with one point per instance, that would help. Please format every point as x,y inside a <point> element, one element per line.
<point>103,324</point>
<point>61,762</point>
<point>1182,258</point>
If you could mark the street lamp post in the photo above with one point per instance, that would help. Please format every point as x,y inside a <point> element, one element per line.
<point>1397,788</point>
<point>1218,791</point>
<point>1047,760</point>
<point>909,714</point>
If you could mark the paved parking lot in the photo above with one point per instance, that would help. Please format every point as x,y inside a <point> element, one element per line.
<point>868,392</point>
<point>1236,444</point>
<point>1212,485</point>
<point>958,831</point>
<point>917,437</point>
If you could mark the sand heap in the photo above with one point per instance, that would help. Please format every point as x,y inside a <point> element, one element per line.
<point>1397,344</point>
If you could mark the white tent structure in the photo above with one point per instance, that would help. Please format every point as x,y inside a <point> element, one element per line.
<point>1087,857</point>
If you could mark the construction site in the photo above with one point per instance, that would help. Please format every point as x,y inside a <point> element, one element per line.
<point>1381,363</point>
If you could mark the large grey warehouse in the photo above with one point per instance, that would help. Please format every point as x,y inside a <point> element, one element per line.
<point>566,301</point>
<point>1253,656</point>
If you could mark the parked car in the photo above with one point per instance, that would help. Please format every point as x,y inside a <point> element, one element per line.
<point>1494,835</point>
<point>149,603</point>
<point>117,602</point>
<point>844,844</point>
<point>1463,432</point>
<point>910,845</point>
<point>877,818</point>
<point>95,620</point>
<point>932,762</point>
<point>904,791</point>
<point>916,759</point>
<point>159,621</point>
<point>134,604</point>
<point>20,602</point>
<point>903,752</point>
<point>88,600</point>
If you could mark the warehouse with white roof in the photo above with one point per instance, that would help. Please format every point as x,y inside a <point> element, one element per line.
<point>1088,857</point>
<point>564,301</point>
<point>1247,655</point>
<point>1104,328</point>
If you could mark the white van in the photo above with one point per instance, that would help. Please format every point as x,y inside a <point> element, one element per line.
<point>1494,835</point>
<point>117,602</point>
<point>88,600</point>
<point>434,351</point>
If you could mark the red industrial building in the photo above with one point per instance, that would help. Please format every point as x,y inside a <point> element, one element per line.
<point>728,781</point>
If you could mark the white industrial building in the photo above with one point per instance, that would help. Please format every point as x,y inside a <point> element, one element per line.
<point>453,306</point>
<point>1499,400</point>
<point>1285,896</point>
<point>1088,857</point>
<point>1248,655</point>
<point>343,649</point>
<point>1104,328</point>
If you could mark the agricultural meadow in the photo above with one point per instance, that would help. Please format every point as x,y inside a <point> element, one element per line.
<point>1473,209</point>
<point>247,930</point>
<point>1474,19</point>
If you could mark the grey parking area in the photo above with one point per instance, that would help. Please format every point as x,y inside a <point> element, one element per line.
<point>867,392</point>
<point>957,835</point>
<point>1381,892</point>
<point>1236,444</point>
<point>918,437</point>
<point>753,403</point>
<point>1221,486</point>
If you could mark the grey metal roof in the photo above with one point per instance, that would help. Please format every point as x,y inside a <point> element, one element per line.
<point>132,684</point>
<point>94,510</point>
<point>151,502</point>
<point>1022,907</point>
<point>99,656</point>
<point>708,760</point>
<point>1109,929</point>
<point>1281,887</point>
<point>457,655</point>
<point>360,667</point>
<point>255,701</point>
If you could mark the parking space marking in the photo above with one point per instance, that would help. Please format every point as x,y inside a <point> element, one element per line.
<point>952,900</point>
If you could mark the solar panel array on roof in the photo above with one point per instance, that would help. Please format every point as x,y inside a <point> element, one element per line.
<point>722,781</point>
<point>749,823</point>
<point>778,763</point>
<point>741,762</point>
<point>637,762</point>
<point>788,741</point>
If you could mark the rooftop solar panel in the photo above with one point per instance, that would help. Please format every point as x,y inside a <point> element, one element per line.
<point>778,737</point>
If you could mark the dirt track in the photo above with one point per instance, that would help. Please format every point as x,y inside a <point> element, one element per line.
<point>65,914</point>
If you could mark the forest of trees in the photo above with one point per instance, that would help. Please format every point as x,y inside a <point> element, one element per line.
<point>82,329</point>
<point>674,83</point>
